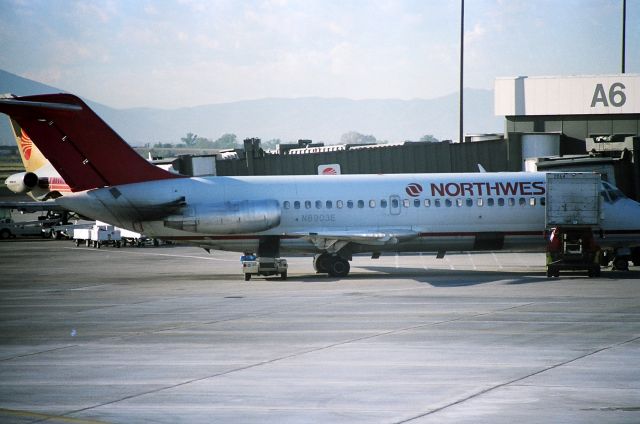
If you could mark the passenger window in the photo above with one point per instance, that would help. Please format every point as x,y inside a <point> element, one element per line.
<point>532,201</point>
<point>350,204</point>
<point>458,202</point>
<point>395,203</point>
<point>469,202</point>
<point>383,203</point>
<point>501,201</point>
<point>427,203</point>
<point>416,203</point>
<point>490,201</point>
<point>406,203</point>
<point>512,201</point>
<point>372,203</point>
<point>287,204</point>
<point>543,201</point>
<point>436,203</point>
<point>339,204</point>
<point>329,204</point>
<point>480,201</point>
<point>522,201</point>
<point>448,203</point>
<point>296,204</point>
<point>307,204</point>
<point>361,204</point>
<point>318,204</point>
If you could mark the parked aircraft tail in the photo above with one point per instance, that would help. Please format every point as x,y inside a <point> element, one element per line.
<point>82,147</point>
<point>32,157</point>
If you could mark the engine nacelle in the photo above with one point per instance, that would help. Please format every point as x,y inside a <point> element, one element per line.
<point>22,182</point>
<point>247,216</point>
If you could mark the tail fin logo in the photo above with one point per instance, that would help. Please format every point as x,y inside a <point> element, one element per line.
<point>26,145</point>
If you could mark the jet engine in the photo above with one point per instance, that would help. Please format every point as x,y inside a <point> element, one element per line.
<point>247,216</point>
<point>22,182</point>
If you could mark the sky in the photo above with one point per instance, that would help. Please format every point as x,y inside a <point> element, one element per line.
<point>183,53</point>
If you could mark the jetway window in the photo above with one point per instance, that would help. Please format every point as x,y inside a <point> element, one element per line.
<point>296,204</point>
<point>427,203</point>
<point>307,204</point>
<point>360,204</point>
<point>286,204</point>
<point>318,204</point>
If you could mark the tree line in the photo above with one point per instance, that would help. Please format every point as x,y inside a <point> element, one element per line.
<point>230,141</point>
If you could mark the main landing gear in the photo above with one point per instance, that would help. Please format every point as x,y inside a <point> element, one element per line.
<point>334,265</point>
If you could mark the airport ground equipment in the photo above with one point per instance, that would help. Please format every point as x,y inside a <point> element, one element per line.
<point>263,266</point>
<point>100,234</point>
<point>572,214</point>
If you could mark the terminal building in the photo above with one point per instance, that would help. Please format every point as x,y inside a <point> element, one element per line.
<point>581,123</point>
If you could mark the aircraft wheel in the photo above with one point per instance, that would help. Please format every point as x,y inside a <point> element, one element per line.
<point>321,263</point>
<point>339,267</point>
<point>621,264</point>
<point>5,234</point>
<point>247,277</point>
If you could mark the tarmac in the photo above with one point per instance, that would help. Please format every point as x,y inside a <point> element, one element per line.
<point>173,334</point>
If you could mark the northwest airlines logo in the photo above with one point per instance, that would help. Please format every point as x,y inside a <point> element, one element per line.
<point>26,145</point>
<point>414,189</point>
<point>329,171</point>
<point>501,188</point>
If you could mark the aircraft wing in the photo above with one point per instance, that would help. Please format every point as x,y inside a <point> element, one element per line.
<point>332,241</point>
<point>33,206</point>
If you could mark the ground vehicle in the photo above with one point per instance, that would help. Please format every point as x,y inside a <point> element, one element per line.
<point>264,266</point>
<point>100,234</point>
<point>572,213</point>
<point>11,229</point>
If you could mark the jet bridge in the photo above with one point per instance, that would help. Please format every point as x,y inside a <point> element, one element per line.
<point>572,213</point>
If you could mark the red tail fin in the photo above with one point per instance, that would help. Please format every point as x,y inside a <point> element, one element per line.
<point>82,147</point>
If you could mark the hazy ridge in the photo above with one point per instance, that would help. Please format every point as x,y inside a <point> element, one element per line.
<point>320,119</point>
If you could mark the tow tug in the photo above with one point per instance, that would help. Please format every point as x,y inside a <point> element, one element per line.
<point>263,266</point>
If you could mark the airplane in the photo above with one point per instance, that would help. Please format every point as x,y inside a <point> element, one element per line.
<point>331,217</point>
<point>40,180</point>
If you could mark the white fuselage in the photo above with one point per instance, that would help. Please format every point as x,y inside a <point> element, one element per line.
<point>430,212</point>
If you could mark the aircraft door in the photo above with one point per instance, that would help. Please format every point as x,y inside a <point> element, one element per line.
<point>394,205</point>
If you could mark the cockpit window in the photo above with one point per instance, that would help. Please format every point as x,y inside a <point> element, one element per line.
<point>610,193</point>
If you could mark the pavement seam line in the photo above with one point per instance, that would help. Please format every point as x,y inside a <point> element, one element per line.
<point>489,389</point>
<point>293,355</point>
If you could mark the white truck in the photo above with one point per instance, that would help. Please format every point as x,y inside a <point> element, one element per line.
<point>100,234</point>
<point>572,214</point>
<point>263,266</point>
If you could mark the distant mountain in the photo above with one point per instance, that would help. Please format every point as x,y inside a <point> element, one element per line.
<point>319,119</point>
